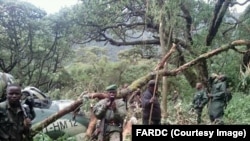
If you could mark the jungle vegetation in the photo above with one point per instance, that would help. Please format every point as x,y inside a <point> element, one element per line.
<point>95,43</point>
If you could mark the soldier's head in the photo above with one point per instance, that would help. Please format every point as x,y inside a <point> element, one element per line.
<point>199,86</point>
<point>213,77</point>
<point>125,85</point>
<point>222,77</point>
<point>112,90</point>
<point>14,93</point>
<point>152,85</point>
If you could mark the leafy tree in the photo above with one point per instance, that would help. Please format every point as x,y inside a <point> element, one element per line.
<point>195,26</point>
<point>32,45</point>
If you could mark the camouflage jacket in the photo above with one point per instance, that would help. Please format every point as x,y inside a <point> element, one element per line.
<point>114,116</point>
<point>12,123</point>
<point>200,99</point>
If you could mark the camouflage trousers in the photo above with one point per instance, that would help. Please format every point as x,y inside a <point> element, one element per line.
<point>199,113</point>
<point>113,136</point>
<point>216,112</point>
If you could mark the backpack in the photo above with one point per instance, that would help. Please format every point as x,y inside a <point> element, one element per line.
<point>228,96</point>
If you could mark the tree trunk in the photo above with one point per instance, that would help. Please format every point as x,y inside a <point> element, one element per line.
<point>164,95</point>
<point>92,124</point>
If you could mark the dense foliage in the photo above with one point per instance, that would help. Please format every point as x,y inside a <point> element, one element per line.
<point>96,43</point>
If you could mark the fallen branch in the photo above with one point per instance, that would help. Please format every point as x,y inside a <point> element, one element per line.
<point>165,58</point>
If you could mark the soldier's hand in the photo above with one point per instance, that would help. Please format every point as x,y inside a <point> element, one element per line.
<point>113,105</point>
<point>152,100</point>
<point>27,123</point>
<point>209,95</point>
<point>85,96</point>
<point>109,103</point>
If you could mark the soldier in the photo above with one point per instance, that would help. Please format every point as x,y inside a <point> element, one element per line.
<point>15,122</point>
<point>199,101</point>
<point>151,101</point>
<point>217,100</point>
<point>111,112</point>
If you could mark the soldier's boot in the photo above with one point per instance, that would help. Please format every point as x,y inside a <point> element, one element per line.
<point>198,117</point>
<point>218,122</point>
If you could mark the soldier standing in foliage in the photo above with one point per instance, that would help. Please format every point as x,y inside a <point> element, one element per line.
<point>15,122</point>
<point>111,112</point>
<point>217,99</point>
<point>199,101</point>
<point>148,100</point>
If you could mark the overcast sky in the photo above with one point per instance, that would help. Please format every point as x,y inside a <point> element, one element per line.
<point>52,6</point>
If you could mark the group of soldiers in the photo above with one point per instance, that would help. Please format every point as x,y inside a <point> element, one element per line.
<point>216,100</point>
<point>112,111</point>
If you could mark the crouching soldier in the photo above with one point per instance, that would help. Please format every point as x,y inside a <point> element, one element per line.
<point>111,113</point>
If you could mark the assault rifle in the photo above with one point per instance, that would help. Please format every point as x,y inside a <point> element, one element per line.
<point>27,129</point>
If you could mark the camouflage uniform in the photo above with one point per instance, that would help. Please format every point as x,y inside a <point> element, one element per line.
<point>217,101</point>
<point>111,116</point>
<point>11,123</point>
<point>199,101</point>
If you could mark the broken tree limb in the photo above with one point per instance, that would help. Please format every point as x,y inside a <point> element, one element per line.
<point>165,58</point>
<point>143,80</point>
<point>91,126</point>
<point>96,95</point>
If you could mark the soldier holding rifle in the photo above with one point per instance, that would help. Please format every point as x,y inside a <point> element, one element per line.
<point>15,122</point>
<point>111,112</point>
